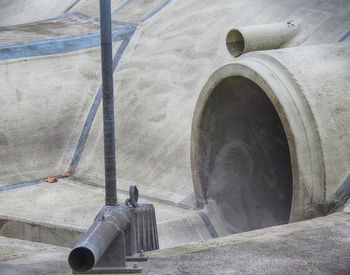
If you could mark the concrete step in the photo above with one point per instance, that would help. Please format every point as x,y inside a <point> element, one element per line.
<point>57,213</point>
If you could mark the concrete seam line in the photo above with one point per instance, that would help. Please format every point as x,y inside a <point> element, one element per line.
<point>24,184</point>
<point>72,5</point>
<point>114,22</point>
<point>121,191</point>
<point>121,23</point>
<point>60,45</point>
<point>38,22</point>
<point>83,16</point>
<point>19,185</point>
<point>86,130</point>
<point>156,11</point>
<point>62,17</point>
<point>340,197</point>
<point>344,37</point>
<point>93,110</point>
<point>210,227</point>
<point>121,7</point>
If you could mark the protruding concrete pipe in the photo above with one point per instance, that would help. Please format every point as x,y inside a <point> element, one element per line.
<point>260,37</point>
<point>270,137</point>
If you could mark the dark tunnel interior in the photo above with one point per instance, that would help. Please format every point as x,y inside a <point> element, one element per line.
<point>243,157</point>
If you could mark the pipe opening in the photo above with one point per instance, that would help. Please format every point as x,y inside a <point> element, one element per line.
<point>235,42</point>
<point>243,157</point>
<point>81,259</point>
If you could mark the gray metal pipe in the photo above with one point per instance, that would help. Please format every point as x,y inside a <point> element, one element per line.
<point>109,222</point>
<point>108,102</point>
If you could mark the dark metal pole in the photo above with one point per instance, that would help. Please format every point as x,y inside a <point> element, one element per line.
<point>108,102</point>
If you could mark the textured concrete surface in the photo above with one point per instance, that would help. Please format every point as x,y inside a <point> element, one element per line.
<point>47,101</point>
<point>60,28</point>
<point>122,10</point>
<point>319,246</point>
<point>27,11</point>
<point>43,110</point>
<point>180,49</point>
<point>23,257</point>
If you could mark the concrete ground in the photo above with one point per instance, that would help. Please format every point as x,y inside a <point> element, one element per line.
<point>318,246</point>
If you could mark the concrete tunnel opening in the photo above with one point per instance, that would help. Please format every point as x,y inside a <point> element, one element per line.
<point>243,157</point>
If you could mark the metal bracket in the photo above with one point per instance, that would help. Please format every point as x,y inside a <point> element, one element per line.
<point>137,258</point>
<point>113,260</point>
<point>112,270</point>
<point>134,196</point>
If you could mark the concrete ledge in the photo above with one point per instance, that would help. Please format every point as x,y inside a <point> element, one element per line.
<point>57,213</point>
<point>46,233</point>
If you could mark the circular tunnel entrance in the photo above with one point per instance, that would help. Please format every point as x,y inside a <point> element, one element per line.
<point>242,157</point>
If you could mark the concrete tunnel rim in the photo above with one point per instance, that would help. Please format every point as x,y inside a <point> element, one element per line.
<point>303,205</point>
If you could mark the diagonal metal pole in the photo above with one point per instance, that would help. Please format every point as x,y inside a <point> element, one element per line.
<point>108,102</point>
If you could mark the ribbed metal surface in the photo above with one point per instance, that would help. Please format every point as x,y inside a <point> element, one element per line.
<point>145,227</point>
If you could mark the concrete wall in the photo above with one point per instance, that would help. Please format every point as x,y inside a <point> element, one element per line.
<point>154,106</point>
<point>43,106</point>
